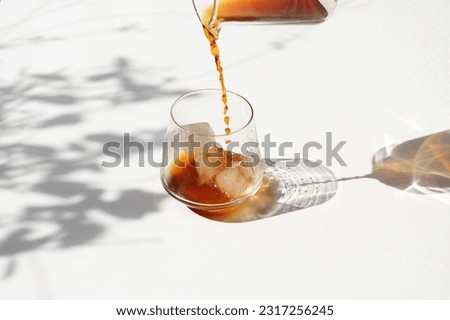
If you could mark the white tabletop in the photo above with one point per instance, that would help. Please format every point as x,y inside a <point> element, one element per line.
<point>75,74</point>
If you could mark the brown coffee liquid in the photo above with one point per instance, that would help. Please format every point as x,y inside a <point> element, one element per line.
<point>199,183</point>
<point>268,10</point>
<point>216,54</point>
<point>184,181</point>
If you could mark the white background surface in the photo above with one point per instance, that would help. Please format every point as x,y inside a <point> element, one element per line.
<point>74,74</point>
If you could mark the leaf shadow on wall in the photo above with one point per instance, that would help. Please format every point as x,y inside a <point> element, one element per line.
<point>68,216</point>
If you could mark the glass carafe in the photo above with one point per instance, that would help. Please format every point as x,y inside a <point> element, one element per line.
<point>215,13</point>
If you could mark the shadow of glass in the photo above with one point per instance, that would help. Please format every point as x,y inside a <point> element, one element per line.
<point>419,166</point>
<point>286,188</point>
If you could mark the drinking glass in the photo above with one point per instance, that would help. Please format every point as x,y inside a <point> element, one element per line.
<point>203,167</point>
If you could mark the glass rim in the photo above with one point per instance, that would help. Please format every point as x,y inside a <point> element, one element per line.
<point>222,135</point>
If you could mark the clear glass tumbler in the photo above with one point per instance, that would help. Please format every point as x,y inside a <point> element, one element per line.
<point>205,168</point>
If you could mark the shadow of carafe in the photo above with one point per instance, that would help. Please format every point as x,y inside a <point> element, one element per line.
<point>419,166</point>
<point>288,185</point>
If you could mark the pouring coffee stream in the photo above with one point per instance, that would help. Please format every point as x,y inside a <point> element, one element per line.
<point>216,54</point>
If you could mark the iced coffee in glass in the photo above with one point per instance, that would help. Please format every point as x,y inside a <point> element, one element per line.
<point>208,167</point>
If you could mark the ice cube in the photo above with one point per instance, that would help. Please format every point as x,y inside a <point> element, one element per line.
<point>206,172</point>
<point>202,131</point>
<point>233,182</point>
<point>248,172</point>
